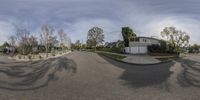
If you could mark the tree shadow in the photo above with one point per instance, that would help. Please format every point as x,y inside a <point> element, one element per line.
<point>190,75</point>
<point>33,75</point>
<point>143,75</point>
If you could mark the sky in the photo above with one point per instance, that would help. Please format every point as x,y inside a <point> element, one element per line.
<point>146,17</point>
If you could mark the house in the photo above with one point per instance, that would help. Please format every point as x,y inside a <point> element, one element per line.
<point>139,45</point>
<point>116,44</point>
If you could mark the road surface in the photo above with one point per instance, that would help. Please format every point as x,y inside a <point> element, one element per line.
<point>88,76</point>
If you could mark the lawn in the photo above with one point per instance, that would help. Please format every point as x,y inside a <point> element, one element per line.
<point>113,56</point>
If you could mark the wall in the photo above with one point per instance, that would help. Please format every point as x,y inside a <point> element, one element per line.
<point>149,40</point>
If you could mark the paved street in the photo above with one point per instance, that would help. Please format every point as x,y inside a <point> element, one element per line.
<point>88,76</point>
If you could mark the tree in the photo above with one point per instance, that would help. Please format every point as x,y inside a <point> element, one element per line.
<point>6,44</point>
<point>127,34</point>
<point>52,42</point>
<point>12,40</point>
<point>33,43</point>
<point>95,36</point>
<point>67,41</point>
<point>47,32</point>
<point>23,36</point>
<point>61,35</point>
<point>158,48</point>
<point>177,39</point>
<point>77,44</point>
<point>163,46</point>
<point>194,48</point>
<point>64,39</point>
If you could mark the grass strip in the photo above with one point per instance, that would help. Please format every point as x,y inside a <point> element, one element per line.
<point>113,56</point>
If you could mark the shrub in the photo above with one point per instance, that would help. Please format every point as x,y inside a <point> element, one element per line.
<point>53,54</point>
<point>115,50</point>
<point>19,57</point>
<point>29,56</point>
<point>40,57</point>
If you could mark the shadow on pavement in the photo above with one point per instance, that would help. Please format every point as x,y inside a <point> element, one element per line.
<point>33,75</point>
<point>143,75</point>
<point>190,75</point>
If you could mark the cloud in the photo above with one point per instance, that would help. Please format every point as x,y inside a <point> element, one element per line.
<point>190,26</point>
<point>76,17</point>
<point>80,28</point>
<point>6,29</point>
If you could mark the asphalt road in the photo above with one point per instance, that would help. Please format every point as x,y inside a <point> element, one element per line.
<point>88,76</point>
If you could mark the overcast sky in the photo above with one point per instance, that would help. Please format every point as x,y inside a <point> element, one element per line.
<point>76,17</point>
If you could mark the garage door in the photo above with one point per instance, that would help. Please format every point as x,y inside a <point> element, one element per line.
<point>142,50</point>
<point>136,50</point>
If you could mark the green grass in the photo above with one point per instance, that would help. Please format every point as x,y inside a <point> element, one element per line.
<point>113,50</point>
<point>113,56</point>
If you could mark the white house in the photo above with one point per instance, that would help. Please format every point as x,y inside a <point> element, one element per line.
<point>140,44</point>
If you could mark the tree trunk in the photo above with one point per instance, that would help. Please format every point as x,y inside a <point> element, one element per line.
<point>95,48</point>
<point>23,52</point>
<point>46,50</point>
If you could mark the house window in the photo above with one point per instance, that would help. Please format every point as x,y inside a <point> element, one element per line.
<point>144,40</point>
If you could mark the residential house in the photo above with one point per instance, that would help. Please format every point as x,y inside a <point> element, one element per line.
<point>139,45</point>
<point>116,44</point>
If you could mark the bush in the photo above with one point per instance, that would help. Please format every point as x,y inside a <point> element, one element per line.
<point>19,57</point>
<point>53,54</point>
<point>24,49</point>
<point>114,50</point>
<point>40,57</point>
<point>162,48</point>
<point>155,49</point>
<point>29,56</point>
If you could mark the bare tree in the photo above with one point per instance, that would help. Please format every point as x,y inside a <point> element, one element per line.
<point>77,44</point>
<point>33,43</point>
<point>12,40</point>
<point>47,32</point>
<point>64,39</point>
<point>22,36</point>
<point>52,42</point>
<point>61,34</point>
<point>67,41</point>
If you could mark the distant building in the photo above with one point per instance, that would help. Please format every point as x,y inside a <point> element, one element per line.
<point>113,44</point>
<point>139,45</point>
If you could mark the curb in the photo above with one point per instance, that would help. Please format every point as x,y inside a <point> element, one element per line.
<point>168,61</point>
<point>27,60</point>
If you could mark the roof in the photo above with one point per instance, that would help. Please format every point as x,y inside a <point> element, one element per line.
<point>148,38</point>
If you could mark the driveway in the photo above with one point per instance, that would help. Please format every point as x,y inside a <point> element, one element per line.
<point>88,76</point>
<point>141,59</point>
